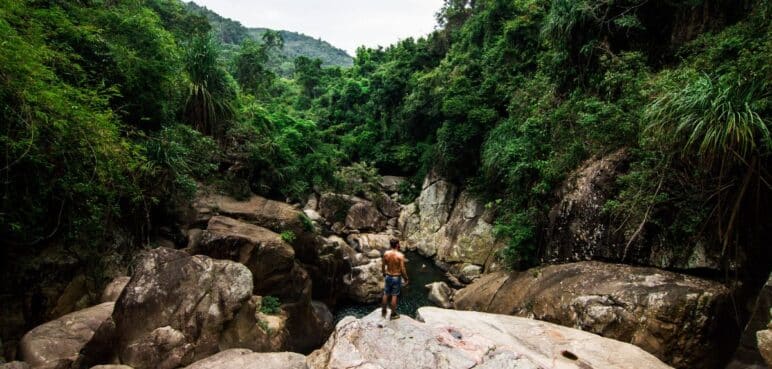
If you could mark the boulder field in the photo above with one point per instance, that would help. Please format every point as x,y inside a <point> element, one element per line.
<point>206,306</point>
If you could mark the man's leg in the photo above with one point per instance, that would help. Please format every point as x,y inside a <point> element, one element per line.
<point>384,300</point>
<point>394,314</point>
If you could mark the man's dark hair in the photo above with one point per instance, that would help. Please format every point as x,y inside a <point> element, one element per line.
<point>393,243</point>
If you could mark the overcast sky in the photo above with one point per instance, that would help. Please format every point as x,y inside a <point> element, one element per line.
<point>346,24</point>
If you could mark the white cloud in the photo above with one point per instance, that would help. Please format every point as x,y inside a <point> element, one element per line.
<point>346,24</point>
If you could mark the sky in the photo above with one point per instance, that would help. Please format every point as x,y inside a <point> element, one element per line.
<point>346,24</point>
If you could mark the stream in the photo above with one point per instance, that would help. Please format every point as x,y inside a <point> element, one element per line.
<point>421,271</point>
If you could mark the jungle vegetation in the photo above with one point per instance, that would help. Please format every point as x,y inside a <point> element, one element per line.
<point>112,111</point>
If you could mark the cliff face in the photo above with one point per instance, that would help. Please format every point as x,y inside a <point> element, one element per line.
<point>453,227</point>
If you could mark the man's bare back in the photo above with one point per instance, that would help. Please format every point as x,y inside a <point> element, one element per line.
<point>394,263</point>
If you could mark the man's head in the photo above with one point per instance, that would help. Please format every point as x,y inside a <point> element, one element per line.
<point>394,243</point>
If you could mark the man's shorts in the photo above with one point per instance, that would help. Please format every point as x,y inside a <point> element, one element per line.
<point>392,285</point>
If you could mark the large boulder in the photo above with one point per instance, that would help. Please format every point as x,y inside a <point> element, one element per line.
<point>440,294</point>
<point>334,207</point>
<point>310,324</point>
<point>365,282</point>
<point>175,308</point>
<point>387,206</point>
<point>61,340</point>
<point>270,259</point>
<point>364,216</point>
<point>274,215</point>
<point>365,242</point>
<point>246,359</point>
<point>458,339</point>
<point>682,320</point>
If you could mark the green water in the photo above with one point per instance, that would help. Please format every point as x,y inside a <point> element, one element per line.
<point>421,271</point>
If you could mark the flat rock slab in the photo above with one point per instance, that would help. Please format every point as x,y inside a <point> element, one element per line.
<point>452,339</point>
<point>63,338</point>
<point>246,359</point>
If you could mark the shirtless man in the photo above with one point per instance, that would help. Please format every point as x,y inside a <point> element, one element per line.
<point>393,269</point>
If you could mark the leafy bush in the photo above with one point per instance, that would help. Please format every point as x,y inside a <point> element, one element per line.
<point>270,305</point>
<point>177,157</point>
<point>288,236</point>
<point>360,179</point>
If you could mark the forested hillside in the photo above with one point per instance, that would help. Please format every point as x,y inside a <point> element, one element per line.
<point>231,33</point>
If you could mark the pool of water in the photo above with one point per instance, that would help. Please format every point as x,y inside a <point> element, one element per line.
<point>421,271</point>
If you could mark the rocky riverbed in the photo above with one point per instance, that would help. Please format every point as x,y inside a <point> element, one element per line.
<point>256,280</point>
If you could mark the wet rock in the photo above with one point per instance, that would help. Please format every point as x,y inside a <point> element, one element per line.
<point>175,307</point>
<point>246,359</point>
<point>440,294</point>
<point>682,320</point>
<point>364,216</point>
<point>458,339</point>
<point>61,340</point>
<point>111,367</point>
<point>113,289</point>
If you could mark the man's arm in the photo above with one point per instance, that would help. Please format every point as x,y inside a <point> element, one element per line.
<point>383,265</point>
<point>404,270</point>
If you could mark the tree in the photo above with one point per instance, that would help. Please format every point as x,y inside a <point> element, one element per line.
<point>210,89</point>
<point>250,64</point>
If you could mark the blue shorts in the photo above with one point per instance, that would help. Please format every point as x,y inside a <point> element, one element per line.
<point>392,285</point>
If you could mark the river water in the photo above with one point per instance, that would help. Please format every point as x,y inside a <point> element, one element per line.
<point>421,271</point>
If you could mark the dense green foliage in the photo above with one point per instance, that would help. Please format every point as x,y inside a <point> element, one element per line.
<point>511,96</point>
<point>280,61</point>
<point>270,305</point>
<point>111,112</point>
